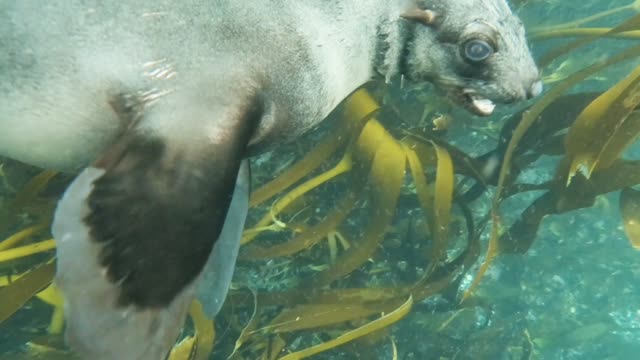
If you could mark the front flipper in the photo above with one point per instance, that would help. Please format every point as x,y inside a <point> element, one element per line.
<point>218,272</point>
<point>97,329</point>
<point>135,231</point>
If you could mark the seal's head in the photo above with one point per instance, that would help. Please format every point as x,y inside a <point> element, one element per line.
<point>481,54</point>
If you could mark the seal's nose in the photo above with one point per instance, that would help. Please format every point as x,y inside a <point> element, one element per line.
<point>535,89</point>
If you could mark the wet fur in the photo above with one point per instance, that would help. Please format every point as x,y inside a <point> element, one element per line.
<point>67,61</point>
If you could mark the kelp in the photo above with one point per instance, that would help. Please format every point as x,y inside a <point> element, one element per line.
<point>200,345</point>
<point>581,193</point>
<point>382,322</point>
<point>388,159</point>
<point>22,251</point>
<point>184,350</point>
<point>385,179</point>
<point>16,294</point>
<point>204,330</point>
<point>21,235</point>
<point>376,171</point>
<point>52,296</point>
<point>604,128</point>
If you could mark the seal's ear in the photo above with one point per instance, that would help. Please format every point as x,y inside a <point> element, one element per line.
<point>423,16</point>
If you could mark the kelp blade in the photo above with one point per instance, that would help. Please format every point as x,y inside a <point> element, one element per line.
<point>592,141</point>
<point>630,24</point>
<point>385,177</point>
<point>184,350</point>
<point>306,317</point>
<point>528,119</point>
<point>205,332</point>
<point>15,295</point>
<point>378,324</point>
<point>358,108</point>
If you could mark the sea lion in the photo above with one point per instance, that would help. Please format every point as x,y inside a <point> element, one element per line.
<point>158,104</point>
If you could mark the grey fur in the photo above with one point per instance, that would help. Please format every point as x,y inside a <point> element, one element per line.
<point>64,61</point>
<point>507,76</point>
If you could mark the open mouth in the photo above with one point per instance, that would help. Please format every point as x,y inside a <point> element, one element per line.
<point>476,103</point>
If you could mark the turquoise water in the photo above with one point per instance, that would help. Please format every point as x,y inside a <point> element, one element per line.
<point>573,295</point>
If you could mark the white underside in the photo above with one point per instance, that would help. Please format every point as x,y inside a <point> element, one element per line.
<point>96,328</point>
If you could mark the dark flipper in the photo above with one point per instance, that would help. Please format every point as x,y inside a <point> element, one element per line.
<point>157,215</point>
<point>97,328</point>
<point>216,277</point>
<point>135,232</point>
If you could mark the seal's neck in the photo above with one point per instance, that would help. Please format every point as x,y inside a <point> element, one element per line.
<point>394,36</point>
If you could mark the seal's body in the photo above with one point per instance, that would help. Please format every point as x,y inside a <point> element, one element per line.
<point>69,62</point>
<point>161,101</point>
<point>301,58</point>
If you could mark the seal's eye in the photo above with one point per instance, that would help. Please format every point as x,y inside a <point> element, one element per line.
<point>477,50</point>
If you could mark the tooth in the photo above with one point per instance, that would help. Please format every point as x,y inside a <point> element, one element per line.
<point>484,106</point>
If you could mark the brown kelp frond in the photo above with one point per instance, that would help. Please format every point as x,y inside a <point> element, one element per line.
<point>369,328</point>
<point>604,128</point>
<point>16,294</point>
